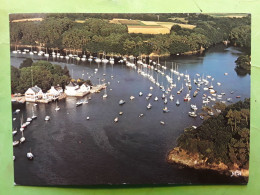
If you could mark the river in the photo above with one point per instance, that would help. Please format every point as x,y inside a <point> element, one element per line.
<point>70,150</point>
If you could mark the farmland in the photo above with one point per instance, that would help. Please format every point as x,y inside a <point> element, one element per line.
<point>149,27</point>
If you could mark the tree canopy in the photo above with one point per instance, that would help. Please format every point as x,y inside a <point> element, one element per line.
<point>96,34</point>
<point>223,138</point>
<point>40,73</point>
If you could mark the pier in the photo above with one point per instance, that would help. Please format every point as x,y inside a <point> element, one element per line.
<point>97,88</point>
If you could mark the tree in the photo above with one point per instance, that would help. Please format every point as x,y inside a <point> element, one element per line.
<point>15,76</point>
<point>241,36</point>
<point>230,116</point>
<point>244,62</point>
<point>66,71</point>
<point>35,75</point>
<point>15,33</point>
<point>26,63</point>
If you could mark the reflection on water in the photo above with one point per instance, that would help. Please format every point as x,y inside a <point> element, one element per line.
<point>69,149</point>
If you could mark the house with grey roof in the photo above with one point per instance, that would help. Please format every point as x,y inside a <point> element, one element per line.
<point>33,94</point>
<point>73,89</point>
<point>54,92</point>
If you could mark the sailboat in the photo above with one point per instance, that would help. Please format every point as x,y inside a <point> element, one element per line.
<point>177,102</point>
<point>22,139</point>
<point>23,125</point>
<point>57,107</point>
<point>163,96</point>
<point>149,106</point>
<point>105,94</point>
<point>33,115</point>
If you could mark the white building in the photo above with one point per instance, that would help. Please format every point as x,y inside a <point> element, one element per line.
<point>73,89</point>
<point>84,88</point>
<point>33,94</point>
<point>54,92</point>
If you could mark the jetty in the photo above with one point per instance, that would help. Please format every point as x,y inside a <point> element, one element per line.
<point>97,88</point>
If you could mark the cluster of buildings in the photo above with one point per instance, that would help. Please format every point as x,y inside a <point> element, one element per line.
<point>35,94</point>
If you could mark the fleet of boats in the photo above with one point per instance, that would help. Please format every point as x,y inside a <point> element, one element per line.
<point>204,85</point>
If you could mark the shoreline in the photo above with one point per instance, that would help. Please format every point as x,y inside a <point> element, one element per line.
<point>151,55</point>
<point>182,157</point>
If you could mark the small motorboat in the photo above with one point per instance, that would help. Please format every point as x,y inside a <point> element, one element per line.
<point>15,143</point>
<point>192,114</point>
<point>47,118</point>
<point>156,98</point>
<point>193,107</point>
<point>140,93</point>
<point>22,139</point>
<point>210,113</point>
<point>140,115</point>
<point>30,155</point>
<point>79,103</point>
<point>121,102</point>
<point>120,113</point>
<point>116,120</point>
<point>14,132</point>
<point>162,122</point>
<point>29,119</point>
<point>57,108</point>
<point>165,110</point>
<point>132,97</point>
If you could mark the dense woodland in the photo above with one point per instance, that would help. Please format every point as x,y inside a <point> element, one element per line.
<point>98,35</point>
<point>40,73</point>
<point>243,63</point>
<point>223,138</point>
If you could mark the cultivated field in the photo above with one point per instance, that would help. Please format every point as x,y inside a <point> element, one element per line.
<point>149,27</point>
<point>230,15</point>
<point>28,20</point>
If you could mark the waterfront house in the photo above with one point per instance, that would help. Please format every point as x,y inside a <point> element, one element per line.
<point>33,94</point>
<point>54,92</point>
<point>72,89</point>
<point>85,88</point>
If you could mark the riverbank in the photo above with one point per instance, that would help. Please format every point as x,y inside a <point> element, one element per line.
<point>185,158</point>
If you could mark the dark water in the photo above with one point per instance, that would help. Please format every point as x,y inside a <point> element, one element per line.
<point>69,149</point>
